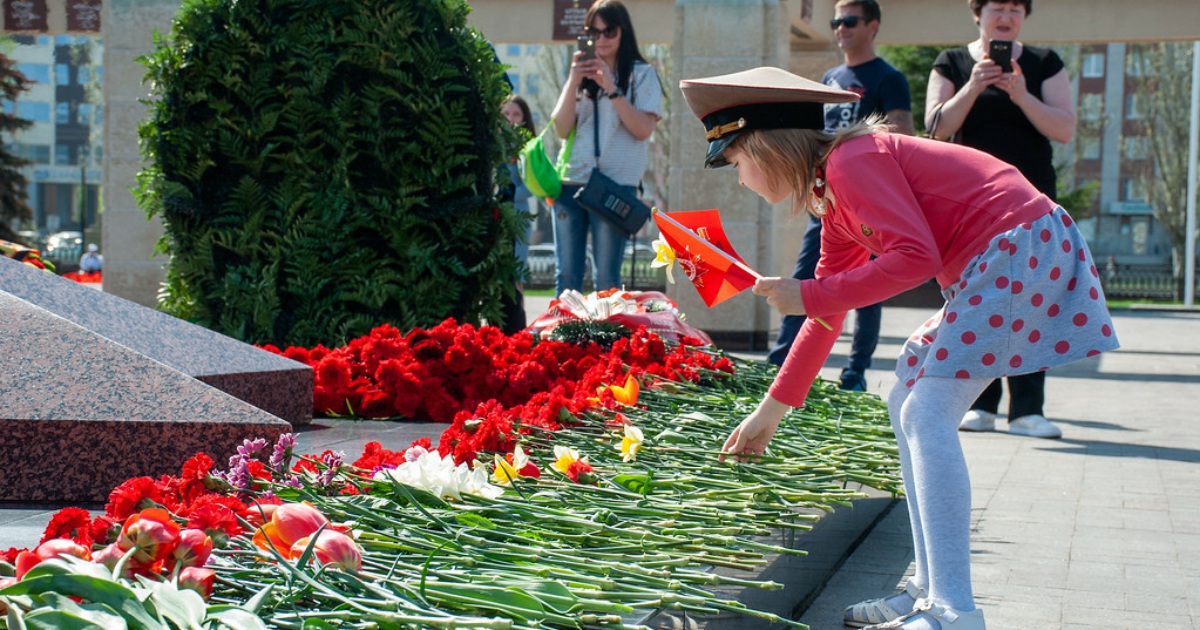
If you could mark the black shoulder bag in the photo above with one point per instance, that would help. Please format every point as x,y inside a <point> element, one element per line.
<point>602,196</point>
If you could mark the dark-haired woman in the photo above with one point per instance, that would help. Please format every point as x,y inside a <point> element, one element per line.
<point>619,88</point>
<point>1013,116</point>
<point>516,111</point>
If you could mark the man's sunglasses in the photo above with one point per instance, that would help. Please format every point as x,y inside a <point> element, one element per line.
<point>607,33</point>
<point>850,21</point>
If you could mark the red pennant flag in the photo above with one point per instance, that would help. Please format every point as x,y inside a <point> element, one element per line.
<point>705,254</point>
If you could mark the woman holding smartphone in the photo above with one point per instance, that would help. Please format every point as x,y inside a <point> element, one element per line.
<point>612,101</point>
<point>1013,115</point>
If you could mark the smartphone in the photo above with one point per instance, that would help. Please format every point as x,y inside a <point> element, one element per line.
<point>1000,51</point>
<point>587,46</point>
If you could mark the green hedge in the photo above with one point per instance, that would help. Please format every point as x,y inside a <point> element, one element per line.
<point>325,167</point>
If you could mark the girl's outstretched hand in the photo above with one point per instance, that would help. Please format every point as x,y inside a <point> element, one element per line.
<point>755,432</point>
<point>782,293</point>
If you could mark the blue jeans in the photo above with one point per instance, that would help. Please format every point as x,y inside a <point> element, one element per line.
<point>866,321</point>
<point>572,224</point>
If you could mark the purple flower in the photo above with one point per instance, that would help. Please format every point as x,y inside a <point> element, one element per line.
<point>283,452</point>
<point>333,462</point>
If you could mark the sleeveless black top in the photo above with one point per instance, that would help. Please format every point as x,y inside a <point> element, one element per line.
<point>995,125</point>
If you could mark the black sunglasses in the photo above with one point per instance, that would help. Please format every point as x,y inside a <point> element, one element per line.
<point>607,33</point>
<point>850,21</point>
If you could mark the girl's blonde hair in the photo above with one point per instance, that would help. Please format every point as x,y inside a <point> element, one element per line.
<point>791,156</point>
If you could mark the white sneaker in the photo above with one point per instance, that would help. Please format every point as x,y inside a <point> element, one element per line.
<point>977,420</point>
<point>1034,425</point>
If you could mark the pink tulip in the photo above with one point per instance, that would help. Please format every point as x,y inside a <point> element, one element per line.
<point>333,549</point>
<point>57,547</point>
<point>192,550</point>
<point>198,579</point>
<point>289,523</point>
<point>6,582</point>
<point>109,556</point>
<point>152,532</point>
<point>26,560</point>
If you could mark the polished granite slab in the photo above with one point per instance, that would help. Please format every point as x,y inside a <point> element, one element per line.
<point>81,413</point>
<point>278,385</point>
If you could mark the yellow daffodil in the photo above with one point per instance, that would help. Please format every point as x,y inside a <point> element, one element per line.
<point>664,256</point>
<point>508,468</point>
<point>563,458</point>
<point>632,443</point>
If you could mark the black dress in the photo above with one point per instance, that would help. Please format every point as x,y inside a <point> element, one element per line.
<point>995,125</point>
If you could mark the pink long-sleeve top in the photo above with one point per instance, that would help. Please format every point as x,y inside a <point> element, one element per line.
<point>923,208</point>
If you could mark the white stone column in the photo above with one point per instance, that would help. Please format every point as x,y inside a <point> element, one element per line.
<point>715,37</point>
<point>131,270</point>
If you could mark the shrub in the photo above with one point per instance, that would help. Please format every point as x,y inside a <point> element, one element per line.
<point>325,167</point>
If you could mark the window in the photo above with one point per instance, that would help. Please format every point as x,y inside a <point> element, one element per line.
<point>39,72</point>
<point>1133,109</point>
<point>1091,106</point>
<point>1089,147</point>
<point>62,155</point>
<point>532,84</point>
<point>514,50</point>
<point>37,112</point>
<point>62,113</point>
<point>531,49</point>
<point>1136,147</point>
<point>37,153</point>
<point>84,75</point>
<point>85,113</point>
<point>99,75</point>
<point>1132,189</point>
<point>516,82</point>
<point>62,74</point>
<point>64,40</point>
<point>1139,63</point>
<point>99,115</point>
<point>1093,66</point>
<point>8,107</point>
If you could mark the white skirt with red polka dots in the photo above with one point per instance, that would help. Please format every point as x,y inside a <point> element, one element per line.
<point>1030,302</point>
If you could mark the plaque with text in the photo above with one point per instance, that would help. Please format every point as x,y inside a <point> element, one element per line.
<point>568,18</point>
<point>25,15</point>
<point>83,16</point>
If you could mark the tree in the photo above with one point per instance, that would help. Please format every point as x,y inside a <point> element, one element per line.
<point>323,168</point>
<point>14,204</point>
<point>916,62</point>
<point>1164,89</point>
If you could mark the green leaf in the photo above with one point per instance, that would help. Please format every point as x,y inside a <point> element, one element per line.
<point>64,614</point>
<point>185,608</point>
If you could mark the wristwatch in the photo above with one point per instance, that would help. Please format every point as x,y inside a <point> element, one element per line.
<point>614,95</point>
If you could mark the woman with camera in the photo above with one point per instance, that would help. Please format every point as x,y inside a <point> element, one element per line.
<point>1009,100</point>
<point>611,101</point>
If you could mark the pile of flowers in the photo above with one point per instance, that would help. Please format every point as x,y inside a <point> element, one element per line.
<point>436,373</point>
<point>591,499</point>
<point>85,277</point>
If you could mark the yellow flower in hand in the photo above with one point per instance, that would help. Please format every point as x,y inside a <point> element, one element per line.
<point>632,443</point>
<point>664,256</point>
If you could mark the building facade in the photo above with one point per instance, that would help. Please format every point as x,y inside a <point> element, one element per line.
<point>64,144</point>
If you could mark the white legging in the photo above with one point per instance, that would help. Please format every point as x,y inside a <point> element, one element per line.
<point>925,419</point>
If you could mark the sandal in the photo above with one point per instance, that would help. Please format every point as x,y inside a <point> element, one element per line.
<point>876,611</point>
<point>945,618</point>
